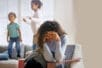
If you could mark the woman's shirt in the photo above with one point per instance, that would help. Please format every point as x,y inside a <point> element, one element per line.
<point>56,47</point>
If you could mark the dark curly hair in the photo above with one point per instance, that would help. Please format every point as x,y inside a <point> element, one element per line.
<point>48,26</point>
<point>11,13</point>
<point>36,2</point>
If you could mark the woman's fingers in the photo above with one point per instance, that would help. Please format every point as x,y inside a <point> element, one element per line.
<point>51,35</point>
<point>77,59</point>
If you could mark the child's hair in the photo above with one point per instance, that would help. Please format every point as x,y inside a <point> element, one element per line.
<point>36,2</point>
<point>11,13</point>
<point>48,26</point>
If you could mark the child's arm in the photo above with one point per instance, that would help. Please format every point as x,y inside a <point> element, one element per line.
<point>20,37</point>
<point>7,36</point>
<point>27,20</point>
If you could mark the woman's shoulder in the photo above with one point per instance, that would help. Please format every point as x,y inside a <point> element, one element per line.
<point>64,36</point>
<point>65,39</point>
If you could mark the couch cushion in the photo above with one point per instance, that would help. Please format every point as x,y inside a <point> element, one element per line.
<point>3,48</point>
<point>9,64</point>
<point>4,56</point>
<point>26,49</point>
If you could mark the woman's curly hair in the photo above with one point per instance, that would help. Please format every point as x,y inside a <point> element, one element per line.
<point>48,26</point>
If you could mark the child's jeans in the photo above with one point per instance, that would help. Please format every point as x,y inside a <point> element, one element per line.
<point>10,46</point>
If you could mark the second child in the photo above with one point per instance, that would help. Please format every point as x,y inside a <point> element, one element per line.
<point>13,34</point>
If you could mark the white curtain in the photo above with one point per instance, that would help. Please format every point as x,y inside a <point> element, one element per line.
<point>22,8</point>
<point>64,13</point>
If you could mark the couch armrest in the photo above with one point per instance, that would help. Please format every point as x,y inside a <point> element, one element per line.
<point>21,63</point>
<point>51,65</point>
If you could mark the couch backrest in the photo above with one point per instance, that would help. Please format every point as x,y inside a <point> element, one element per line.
<point>3,48</point>
<point>26,48</point>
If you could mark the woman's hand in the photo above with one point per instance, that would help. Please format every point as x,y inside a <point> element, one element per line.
<point>51,35</point>
<point>73,60</point>
<point>76,59</point>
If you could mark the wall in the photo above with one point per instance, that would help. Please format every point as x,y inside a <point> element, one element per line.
<point>65,15</point>
<point>89,33</point>
<point>22,9</point>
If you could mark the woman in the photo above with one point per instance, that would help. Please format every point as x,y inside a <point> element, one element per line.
<point>52,42</point>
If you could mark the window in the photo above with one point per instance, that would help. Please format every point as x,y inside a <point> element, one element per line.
<point>21,8</point>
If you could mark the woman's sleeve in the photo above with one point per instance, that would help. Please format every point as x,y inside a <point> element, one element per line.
<point>47,54</point>
<point>60,48</point>
<point>58,52</point>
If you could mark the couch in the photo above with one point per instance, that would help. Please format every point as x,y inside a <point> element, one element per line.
<point>13,63</point>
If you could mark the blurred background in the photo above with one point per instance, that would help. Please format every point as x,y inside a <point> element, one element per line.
<point>62,11</point>
<point>81,19</point>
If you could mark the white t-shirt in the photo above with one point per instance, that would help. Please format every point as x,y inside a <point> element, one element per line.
<point>34,22</point>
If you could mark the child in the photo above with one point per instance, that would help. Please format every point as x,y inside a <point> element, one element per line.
<point>34,21</point>
<point>13,34</point>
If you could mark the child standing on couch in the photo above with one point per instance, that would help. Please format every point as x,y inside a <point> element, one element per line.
<point>34,21</point>
<point>13,34</point>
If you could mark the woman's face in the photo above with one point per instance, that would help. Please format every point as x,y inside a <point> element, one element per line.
<point>35,6</point>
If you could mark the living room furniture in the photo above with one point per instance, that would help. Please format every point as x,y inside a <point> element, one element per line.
<point>77,53</point>
<point>14,63</point>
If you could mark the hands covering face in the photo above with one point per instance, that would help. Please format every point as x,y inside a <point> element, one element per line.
<point>51,35</point>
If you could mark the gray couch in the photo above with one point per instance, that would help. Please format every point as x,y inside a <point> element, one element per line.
<point>12,63</point>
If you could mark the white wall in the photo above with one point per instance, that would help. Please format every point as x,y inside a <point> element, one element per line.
<point>89,31</point>
<point>64,13</point>
<point>22,8</point>
<point>61,10</point>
